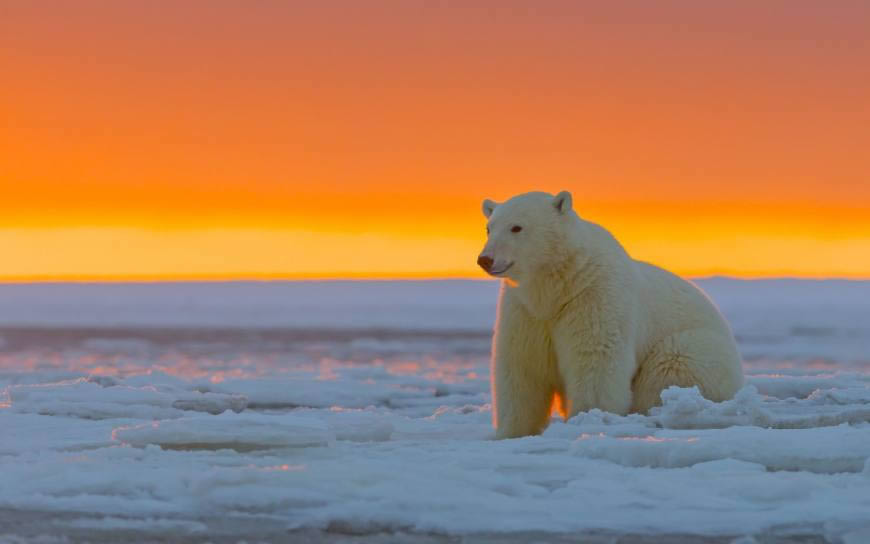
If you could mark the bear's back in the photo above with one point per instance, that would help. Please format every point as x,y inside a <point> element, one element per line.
<point>674,302</point>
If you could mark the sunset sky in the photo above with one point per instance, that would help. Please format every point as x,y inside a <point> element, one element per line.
<point>272,139</point>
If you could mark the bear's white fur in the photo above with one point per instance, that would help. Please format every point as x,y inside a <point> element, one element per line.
<point>582,324</point>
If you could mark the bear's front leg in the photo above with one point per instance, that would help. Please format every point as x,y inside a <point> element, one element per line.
<point>522,401</point>
<point>523,373</point>
<point>596,371</point>
<point>596,382</point>
<point>595,356</point>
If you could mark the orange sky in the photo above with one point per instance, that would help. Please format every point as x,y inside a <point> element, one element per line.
<point>268,139</point>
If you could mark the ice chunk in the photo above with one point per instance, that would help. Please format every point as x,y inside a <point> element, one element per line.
<point>357,425</point>
<point>825,450</point>
<point>783,385</point>
<point>685,408</point>
<point>241,432</point>
<point>108,399</point>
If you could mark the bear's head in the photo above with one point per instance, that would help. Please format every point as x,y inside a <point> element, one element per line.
<point>523,233</point>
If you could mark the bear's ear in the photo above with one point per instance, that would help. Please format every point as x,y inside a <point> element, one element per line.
<point>489,207</point>
<point>562,202</point>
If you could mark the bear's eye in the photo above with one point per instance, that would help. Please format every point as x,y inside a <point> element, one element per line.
<point>516,228</point>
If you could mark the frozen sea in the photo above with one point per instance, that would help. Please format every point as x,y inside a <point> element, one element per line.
<point>360,411</point>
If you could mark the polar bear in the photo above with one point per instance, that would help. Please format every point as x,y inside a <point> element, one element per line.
<point>582,325</point>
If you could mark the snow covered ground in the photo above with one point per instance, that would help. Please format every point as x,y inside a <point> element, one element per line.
<point>363,407</point>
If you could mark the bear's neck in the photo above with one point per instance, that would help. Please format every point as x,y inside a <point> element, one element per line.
<point>564,278</point>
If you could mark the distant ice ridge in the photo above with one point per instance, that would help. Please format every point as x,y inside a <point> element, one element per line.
<point>782,319</point>
<point>444,304</point>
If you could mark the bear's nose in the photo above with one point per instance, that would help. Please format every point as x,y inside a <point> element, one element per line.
<point>485,262</point>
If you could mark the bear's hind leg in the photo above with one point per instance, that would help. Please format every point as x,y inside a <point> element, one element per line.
<point>707,359</point>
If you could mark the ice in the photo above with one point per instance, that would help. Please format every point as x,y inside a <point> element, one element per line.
<point>823,450</point>
<point>147,524</point>
<point>357,425</point>
<point>785,385</point>
<point>686,409</point>
<point>365,407</point>
<point>92,398</point>
<point>240,432</point>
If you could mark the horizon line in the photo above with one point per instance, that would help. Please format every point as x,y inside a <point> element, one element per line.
<point>280,278</point>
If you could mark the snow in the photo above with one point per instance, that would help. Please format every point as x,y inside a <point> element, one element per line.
<point>240,432</point>
<point>365,406</point>
<point>105,398</point>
